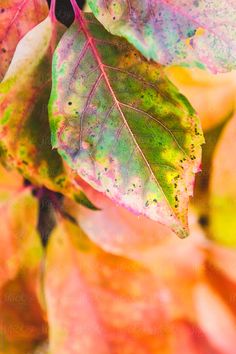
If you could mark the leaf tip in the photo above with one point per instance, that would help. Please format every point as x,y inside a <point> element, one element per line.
<point>182,232</point>
<point>83,200</point>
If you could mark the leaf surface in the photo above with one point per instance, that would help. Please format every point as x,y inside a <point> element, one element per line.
<point>120,123</point>
<point>195,32</point>
<point>17,17</point>
<point>223,187</point>
<point>24,126</point>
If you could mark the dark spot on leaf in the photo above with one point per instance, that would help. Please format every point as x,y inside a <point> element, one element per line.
<point>191,33</point>
<point>35,192</point>
<point>27,183</point>
<point>203,220</point>
<point>60,182</point>
<point>70,103</point>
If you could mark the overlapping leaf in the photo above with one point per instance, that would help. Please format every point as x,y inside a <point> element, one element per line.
<point>22,322</point>
<point>122,125</point>
<point>124,234</point>
<point>107,303</point>
<point>212,96</point>
<point>223,188</point>
<point>17,17</point>
<point>24,126</point>
<point>195,32</point>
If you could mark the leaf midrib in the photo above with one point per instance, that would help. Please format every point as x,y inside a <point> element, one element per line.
<point>87,34</point>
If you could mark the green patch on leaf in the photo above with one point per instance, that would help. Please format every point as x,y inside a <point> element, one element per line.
<point>24,124</point>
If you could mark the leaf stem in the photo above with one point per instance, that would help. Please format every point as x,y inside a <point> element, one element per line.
<point>76,9</point>
<point>52,12</point>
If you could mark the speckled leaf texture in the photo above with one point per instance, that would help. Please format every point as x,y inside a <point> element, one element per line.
<point>192,32</point>
<point>119,122</point>
<point>24,128</point>
<point>17,17</point>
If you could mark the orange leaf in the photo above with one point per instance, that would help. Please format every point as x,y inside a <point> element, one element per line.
<point>21,316</point>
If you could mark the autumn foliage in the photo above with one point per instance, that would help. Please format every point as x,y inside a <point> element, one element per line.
<point>117,141</point>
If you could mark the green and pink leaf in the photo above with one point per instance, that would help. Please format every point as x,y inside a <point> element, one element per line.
<point>194,32</point>
<point>119,122</point>
<point>24,126</point>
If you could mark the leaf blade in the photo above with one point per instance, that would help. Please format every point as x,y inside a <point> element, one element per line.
<point>101,125</point>
<point>16,19</point>
<point>175,32</point>
<point>90,295</point>
<point>24,126</point>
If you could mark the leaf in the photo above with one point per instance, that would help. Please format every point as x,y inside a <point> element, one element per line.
<point>24,126</point>
<point>114,228</point>
<point>109,304</point>
<point>118,231</point>
<point>200,201</point>
<point>222,260</point>
<point>214,317</point>
<point>106,303</point>
<point>223,187</point>
<point>119,122</point>
<point>194,32</point>
<point>22,320</point>
<point>10,182</point>
<point>17,17</point>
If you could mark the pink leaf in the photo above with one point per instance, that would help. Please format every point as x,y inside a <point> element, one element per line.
<point>17,17</point>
